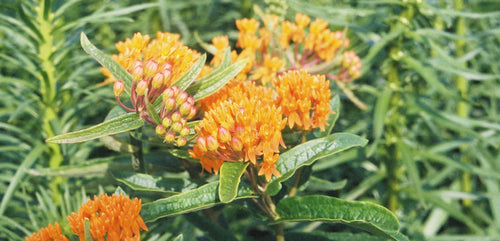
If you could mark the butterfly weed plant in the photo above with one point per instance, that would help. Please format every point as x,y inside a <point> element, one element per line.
<point>246,116</point>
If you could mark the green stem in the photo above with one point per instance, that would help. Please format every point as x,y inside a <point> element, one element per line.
<point>138,161</point>
<point>48,88</point>
<point>462,85</point>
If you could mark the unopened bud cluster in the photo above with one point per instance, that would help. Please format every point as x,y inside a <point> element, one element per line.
<point>177,109</point>
<point>351,67</point>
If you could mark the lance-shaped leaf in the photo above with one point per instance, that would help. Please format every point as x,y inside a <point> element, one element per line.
<point>127,122</point>
<point>214,81</point>
<point>148,183</point>
<point>187,78</point>
<point>364,215</point>
<point>107,62</point>
<point>203,197</point>
<point>230,177</point>
<point>307,153</point>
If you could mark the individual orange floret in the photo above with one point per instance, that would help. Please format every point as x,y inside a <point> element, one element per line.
<point>240,128</point>
<point>50,233</point>
<point>111,218</point>
<point>221,43</point>
<point>304,99</point>
<point>268,70</point>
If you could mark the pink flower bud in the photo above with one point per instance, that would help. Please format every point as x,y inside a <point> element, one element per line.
<point>141,87</point>
<point>201,143</point>
<point>177,126</point>
<point>185,131</point>
<point>185,109</point>
<point>169,137</point>
<point>236,144</point>
<point>150,68</point>
<point>137,71</point>
<point>192,113</point>
<point>118,87</point>
<point>170,103</point>
<point>223,135</point>
<point>160,130</point>
<point>181,141</point>
<point>212,143</point>
<point>166,122</point>
<point>167,93</point>
<point>181,97</point>
<point>157,80</point>
<point>176,116</point>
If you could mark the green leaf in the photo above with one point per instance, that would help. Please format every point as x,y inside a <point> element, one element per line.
<point>127,122</point>
<point>214,81</point>
<point>230,177</point>
<point>210,229</point>
<point>307,153</point>
<point>330,236</point>
<point>180,237</point>
<point>107,62</point>
<point>317,184</point>
<point>203,197</point>
<point>144,182</point>
<point>185,80</point>
<point>365,215</point>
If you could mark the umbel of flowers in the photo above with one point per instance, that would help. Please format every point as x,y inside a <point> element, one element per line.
<point>111,218</point>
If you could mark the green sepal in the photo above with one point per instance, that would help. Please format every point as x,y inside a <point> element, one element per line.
<point>364,215</point>
<point>107,62</point>
<point>230,177</point>
<point>123,123</point>
<point>200,198</point>
<point>307,153</point>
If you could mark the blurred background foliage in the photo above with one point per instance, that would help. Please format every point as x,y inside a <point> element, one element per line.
<point>430,81</point>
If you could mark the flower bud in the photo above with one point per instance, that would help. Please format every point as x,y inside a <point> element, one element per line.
<point>166,122</point>
<point>192,113</point>
<point>157,80</point>
<point>176,116</point>
<point>137,71</point>
<point>185,131</point>
<point>236,144</point>
<point>212,143</point>
<point>201,143</point>
<point>181,141</point>
<point>169,137</point>
<point>118,87</point>
<point>183,121</point>
<point>185,109</point>
<point>223,135</point>
<point>176,90</point>
<point>177,126</point>
<point>160,130</point>
<point>141,87</point>
<point>150,68</point>
<point>167,66</point>
<point>190,100</point>
<point>170,104</point>
<point>167,93</point>
<point>181,97</point>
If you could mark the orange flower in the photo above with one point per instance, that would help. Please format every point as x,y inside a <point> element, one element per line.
<point>50,233</point>
<point>268,70</point>
<point>115,217</point>
<point>304,99</point>
<point>221,43</point>
<point>154,65</point>
<point>242,128</point>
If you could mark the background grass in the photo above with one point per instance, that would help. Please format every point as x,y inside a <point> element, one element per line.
<point>430,80</point>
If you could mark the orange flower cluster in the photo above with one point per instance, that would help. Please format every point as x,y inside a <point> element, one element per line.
<point>50,233</point>
<point>113,217</point>
<point>241,126</point>
<point>304,99</point>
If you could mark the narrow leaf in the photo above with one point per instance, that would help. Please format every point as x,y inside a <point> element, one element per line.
<point>127,122</point>
<point>185,80</point>
<point>107,62</point>
<point>230,177</point>
<point>364,215</point>
<point>216,80</point>
<point>144,182</point>
<point>307,153</point>
<point>203,197</point>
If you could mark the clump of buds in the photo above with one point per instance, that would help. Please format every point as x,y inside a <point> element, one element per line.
<point>350,68</point>
<point>177,108</point>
